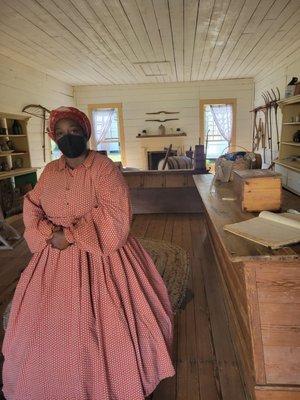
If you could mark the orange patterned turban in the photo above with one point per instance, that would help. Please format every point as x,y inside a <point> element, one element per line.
<point>70,113</point>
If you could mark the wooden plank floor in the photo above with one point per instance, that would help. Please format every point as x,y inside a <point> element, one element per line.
<point>203,354</point>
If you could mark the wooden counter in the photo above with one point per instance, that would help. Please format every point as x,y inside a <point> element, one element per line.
<point>168,191</point>
<point>262,294</point>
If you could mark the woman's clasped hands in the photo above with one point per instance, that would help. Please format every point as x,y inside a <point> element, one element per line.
<point>58,239</point>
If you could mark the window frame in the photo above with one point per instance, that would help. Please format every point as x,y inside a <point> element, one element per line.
<point>203,103</point>
<point>119,107</point>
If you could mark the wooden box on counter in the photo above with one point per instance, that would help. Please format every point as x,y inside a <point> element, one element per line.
<point>258,189</point>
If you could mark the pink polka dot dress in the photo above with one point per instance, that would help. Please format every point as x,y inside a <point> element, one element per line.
<point>93,321</point>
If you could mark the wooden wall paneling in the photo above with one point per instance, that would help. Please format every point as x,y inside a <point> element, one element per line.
<point>176,22</point>
<point>134,181</point>
<point>111,31</point>
<point>101,53</point>
<point>215,25</point>
<point>180,180</point>
<point>255,324</point>
<point>277,393</point>
<point>161,11</point>
<point>209,381</point>
<point>236,36</point>
<point>190,15</point>
<point>149,20</point>
<point>278,284</point>
<point>205,10</point>
<point>29,27</point>
<point>279,306</point>
<point>222,337</point>
<point>288,55</point>
<point>119,14</point>
<point>32,54</point>
<point>237,309</point>
<point>138,22</point>
<point>232,15</point>
<point>80,39</point>
<point>288,16</point>
<point>190,181</point>
<point>287,33</point>
<point>118,42</point>
<point>102,23</point>
<point>155,181</point>
<point>234,280</point>
<point>182,97</point>
<point>253,26</point>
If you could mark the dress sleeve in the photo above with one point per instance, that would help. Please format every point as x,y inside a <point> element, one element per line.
<point>106,227</point>
<point>37,227</point>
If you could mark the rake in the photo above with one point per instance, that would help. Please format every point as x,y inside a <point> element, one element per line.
<point>41,112</point>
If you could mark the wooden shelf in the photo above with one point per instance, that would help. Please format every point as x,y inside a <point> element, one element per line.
<point>289,100</point>
<point>16,172</point>
<point>22,117</point>
<point>294,165</point>
<point>150,136</point>
<point>15,153</point>
<point>291,143</point>
<point>8,135</point>
<point>15,135</point>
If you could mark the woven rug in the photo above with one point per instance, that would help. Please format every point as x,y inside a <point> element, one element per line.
<point>172,262</point>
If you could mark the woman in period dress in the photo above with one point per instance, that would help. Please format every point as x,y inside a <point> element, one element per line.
<point>90,318</point>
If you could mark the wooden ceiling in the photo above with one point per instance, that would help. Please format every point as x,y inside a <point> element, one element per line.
<point>143,41</point>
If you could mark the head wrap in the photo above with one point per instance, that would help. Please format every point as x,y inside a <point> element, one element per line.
<point>69,113</point>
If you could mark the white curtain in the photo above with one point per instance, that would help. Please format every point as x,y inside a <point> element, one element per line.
<point>222,115</point>
<point>102,122</point>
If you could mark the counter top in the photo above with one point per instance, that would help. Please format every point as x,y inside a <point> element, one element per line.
<point>221,212</point>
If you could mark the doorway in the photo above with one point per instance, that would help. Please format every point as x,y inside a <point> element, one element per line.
<point>108,130</point>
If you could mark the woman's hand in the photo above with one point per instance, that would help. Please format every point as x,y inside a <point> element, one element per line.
<point>59,241</point>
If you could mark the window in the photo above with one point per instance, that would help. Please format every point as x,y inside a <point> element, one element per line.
<point>215,143</point>
<point>217,126</point>
<point>55,152</point>
<point>107,132</point>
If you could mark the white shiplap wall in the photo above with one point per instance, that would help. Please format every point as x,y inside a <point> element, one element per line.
<point>21,85</point>
<point>182,97</point>
<point>279,76</point>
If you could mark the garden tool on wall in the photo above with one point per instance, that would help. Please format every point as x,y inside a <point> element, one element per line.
<point>43,113</point>
<point>254,131</point>
<point>258,135</point>
<point>275,105</point>
<point>263,140</point>
<point>268,124</point>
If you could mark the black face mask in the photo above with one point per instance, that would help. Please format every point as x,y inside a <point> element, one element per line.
<point>72,146</point>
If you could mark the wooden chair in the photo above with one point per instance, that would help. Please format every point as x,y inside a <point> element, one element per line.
<point>9,236</point>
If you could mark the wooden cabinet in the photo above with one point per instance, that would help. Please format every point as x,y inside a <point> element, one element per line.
<point>261,289</point>
<point>16,173</point>
<point>287,164</point>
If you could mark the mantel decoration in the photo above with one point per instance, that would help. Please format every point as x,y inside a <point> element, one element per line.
<point>163,112</point>
<point>161,128</point>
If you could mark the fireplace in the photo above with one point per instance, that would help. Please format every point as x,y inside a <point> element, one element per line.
<point>155,156</point>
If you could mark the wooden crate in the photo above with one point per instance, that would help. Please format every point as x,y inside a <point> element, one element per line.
<point>258,189</point>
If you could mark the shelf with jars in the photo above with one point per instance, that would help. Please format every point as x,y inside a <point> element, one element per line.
<point>17,176</point>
